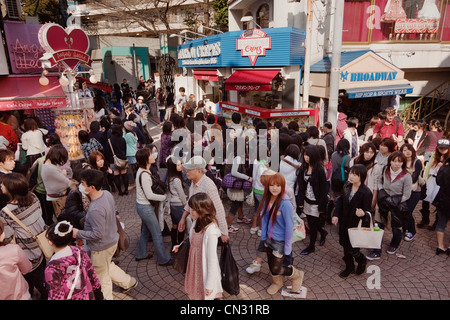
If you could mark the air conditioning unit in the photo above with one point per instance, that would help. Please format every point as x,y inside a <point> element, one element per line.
<point>14,9</point>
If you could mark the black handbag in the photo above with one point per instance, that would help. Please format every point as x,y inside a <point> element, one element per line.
<point>229,270</point>
<point>182,256</point>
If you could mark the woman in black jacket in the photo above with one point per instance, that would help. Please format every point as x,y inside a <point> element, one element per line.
<point>120,150</point>
<point>312,195</point>
<point>353,204</point>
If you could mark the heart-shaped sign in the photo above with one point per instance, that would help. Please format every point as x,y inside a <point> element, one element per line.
<point>64,42</point>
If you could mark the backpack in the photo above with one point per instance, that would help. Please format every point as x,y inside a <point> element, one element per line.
<point>339,176</point>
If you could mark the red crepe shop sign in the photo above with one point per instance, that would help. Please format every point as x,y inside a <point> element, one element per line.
<point>66,46</point>
<point>32,104</point>
<point>253,43</point>
<point>416,26</point>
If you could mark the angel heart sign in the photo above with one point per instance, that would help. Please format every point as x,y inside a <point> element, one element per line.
<point>66,46</point>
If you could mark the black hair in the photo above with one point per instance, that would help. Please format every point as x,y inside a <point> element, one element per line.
<point>92,177</point>
<point>83,136</point>
<point>293,125</point>
<point>313,132</point>
<point>278,124</point>
<point>57,155</point>
<point>210,119</point>
<point>142,156</point>
<point>315,160</point>
<point>167,127</point>
<point>352,122</point>
<point>236,118</point>
<point>359,170</point>
<point>328,125</point>
<point>293,151</point>
<point>52,139</point>
<point>343,146</point>
<point>58,240</point>
<point>94,126</point>
<point>172,172</point>
<point>116,130</point>
<point>16,185</point>
<point>389,143</point>
<point>221,121</point>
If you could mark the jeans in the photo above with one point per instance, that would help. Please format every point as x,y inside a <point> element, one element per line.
<point>162,114</point>
<point>412,203</point>
<point>150,225</point>
<point>442,218</point>
<point>176,212</point>
<point>258,198</point>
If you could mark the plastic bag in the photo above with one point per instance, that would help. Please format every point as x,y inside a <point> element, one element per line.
<point>229,270</point>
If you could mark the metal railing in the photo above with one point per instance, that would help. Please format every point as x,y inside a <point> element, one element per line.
<point>426,106</point>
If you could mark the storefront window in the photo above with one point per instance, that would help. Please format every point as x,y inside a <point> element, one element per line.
<point>396,20</point>
<point>262,16</point>
<point>356,21</point>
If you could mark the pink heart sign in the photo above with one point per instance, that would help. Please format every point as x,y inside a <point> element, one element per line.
<point>67,46</point>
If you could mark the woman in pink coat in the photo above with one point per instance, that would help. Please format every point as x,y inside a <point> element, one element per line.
<point>13,263</point>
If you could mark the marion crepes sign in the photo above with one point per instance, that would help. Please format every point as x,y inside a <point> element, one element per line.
<point>67,46</point>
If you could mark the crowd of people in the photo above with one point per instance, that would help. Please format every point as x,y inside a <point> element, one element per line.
<point>278,169</point>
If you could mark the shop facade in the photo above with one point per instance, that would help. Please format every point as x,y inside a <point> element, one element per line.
<point>29,91</point>
<point>368,84</point>
<point>255,72</point>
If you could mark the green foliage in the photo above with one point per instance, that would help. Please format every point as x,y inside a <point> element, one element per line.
<point>221,14</point>
<point>189,19</point>
<point>45,10</point>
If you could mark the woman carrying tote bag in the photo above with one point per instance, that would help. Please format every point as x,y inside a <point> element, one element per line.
<point>352,205</point>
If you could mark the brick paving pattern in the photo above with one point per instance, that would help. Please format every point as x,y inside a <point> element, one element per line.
<point>422,275</point>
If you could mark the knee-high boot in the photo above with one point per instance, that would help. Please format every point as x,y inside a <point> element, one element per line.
<point>297,279</point>
<point>277,284</point>
<point>362,263</point>
<point>349,266</point>
<point>174,237</point>
<point>118,183</point>
<point>125,182</point>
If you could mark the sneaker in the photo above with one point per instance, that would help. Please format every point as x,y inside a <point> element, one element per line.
<point>254,267</point>
<point>259,232</point>
<point>391,250</point>
<point>254,230</point>
<point>131,287</point>
<point>409,236</point>
<point>243,220</point>
<point>373,256</point>
<point>232,229</point>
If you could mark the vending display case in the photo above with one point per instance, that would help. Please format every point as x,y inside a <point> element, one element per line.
<point>68,122</point>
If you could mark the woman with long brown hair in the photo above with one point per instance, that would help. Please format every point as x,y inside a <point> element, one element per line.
<point>277,229</point>
<point>203,275</point>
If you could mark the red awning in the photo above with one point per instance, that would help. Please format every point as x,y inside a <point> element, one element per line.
<point>98,85</point>
<point>207,75</point>
<point>251,80</point>
<point>17,92</point>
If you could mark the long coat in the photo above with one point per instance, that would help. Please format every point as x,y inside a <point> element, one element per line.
<point>345,210</point>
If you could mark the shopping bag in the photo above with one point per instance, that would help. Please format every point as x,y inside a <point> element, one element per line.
<point>45,246</point>
<point>181,257</point>
<point>299,229</point>
<point>123,244</point>
<point>365,237</point>
<point>229,270</point>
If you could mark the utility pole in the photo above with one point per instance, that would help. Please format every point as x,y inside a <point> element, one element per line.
<point>335,63</point>
<point>307,66</point>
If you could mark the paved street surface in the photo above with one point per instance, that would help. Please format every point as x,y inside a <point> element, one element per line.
<point>421,275</point>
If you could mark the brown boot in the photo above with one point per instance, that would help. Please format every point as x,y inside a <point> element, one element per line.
<point>276,285</point>
<point>297,279</point>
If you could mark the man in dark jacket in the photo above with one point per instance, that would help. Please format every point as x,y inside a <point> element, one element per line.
<point>328,137</point>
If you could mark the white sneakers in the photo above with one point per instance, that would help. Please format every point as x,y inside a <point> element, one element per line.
<point>254,267</point>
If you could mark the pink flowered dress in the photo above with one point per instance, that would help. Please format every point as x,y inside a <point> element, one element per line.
<point>60,274</point>
<point>193,282</point>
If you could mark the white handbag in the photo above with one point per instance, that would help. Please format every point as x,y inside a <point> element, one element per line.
<point>365,237</point>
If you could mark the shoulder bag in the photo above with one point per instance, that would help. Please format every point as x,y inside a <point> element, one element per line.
<point>41,239</point>
<point>119,164</point>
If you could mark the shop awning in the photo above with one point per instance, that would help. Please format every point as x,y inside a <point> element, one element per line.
<point>251,80</point>
<point>207,75</point>
<point>98,85</point>
<point>370,92</point>
<point>25,92</point>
